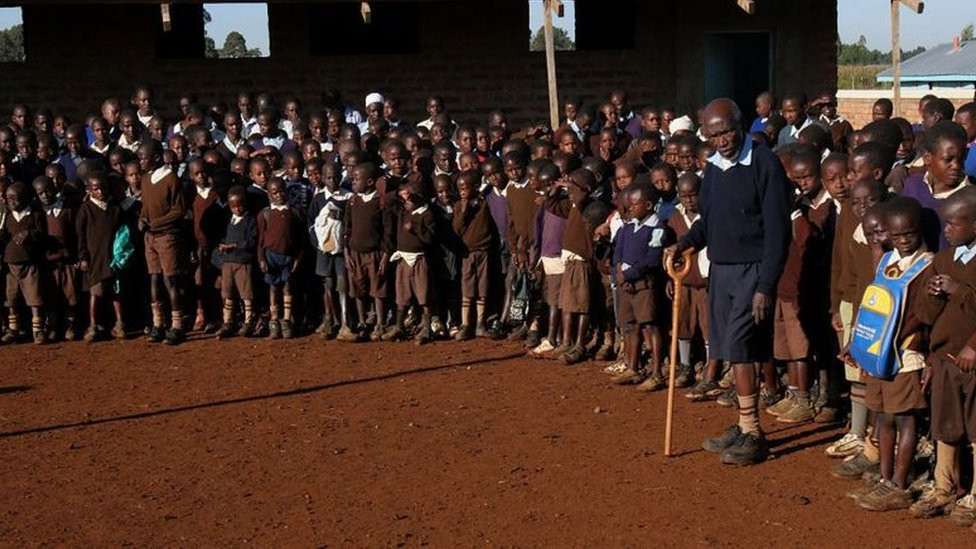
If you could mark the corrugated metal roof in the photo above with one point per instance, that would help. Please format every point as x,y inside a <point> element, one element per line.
<point>941,61</point>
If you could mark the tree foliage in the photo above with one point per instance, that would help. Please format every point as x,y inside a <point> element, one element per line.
<point>859,54</point>
<point>12,44</point>
<point>967,32</point>
<point>560,40</point>
<point>235,47</point>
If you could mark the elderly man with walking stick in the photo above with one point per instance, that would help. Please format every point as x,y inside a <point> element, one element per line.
<point>745,222</point>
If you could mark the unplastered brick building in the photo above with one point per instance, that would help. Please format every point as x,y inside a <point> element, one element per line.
<point>474,53</point>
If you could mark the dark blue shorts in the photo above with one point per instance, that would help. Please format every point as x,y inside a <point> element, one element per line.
<point>279,268</point>
<point>733,336</point>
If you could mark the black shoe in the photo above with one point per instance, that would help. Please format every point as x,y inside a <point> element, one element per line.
<point>748,449</point>
<point>156,334</point>
<point>174,336</point>
<point>720,443</point>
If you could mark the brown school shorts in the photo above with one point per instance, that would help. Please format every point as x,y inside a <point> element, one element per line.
<point>694,313</point>
<point>789,338</point>
<point>103,288</point>
<point>163,254</point>
<point>474,275</point>
<point>364,271</point>
<point>412,282</point>
<point>63,284</point>
<point>953,403</point>
<point>637,304</point>
<point>24,279</point>
<point>577,287</point>
<point>895,396</point>
<point>236,276</point>
<point>553,283</point>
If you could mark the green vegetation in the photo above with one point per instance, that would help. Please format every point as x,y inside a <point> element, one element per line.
<point>560,40</point>
<point>12,44</point>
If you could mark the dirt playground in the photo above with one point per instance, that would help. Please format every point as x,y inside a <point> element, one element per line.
<point>303,443</point>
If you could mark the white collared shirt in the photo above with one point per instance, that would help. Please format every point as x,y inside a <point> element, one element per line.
<point>520,184</point>
<point>420,210</point>
<point>744,157</point>
<point>235,219</point>
<point>944,194</point>
<point>21,214</point>
<point>367,197</point>
<point>159,174</point>
<point>204,192</point>
<point>794,131</point>
<point>279,207</point>
<point>964,254</point>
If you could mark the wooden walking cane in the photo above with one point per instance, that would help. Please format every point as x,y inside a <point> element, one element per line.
<point>677,276</point>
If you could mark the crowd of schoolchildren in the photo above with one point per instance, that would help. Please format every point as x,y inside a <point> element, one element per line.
<point>277,221</point>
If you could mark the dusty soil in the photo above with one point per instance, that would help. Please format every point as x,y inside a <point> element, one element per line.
<point>305,443</point>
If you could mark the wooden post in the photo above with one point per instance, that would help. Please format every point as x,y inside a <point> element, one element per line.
<point>896,56</point>
<point>548,7</point>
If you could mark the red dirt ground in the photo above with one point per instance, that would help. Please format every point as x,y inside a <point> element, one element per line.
<point>304,443</point>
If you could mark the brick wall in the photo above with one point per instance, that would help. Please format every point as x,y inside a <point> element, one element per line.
<point>473,53</point>
<point>856,105</point>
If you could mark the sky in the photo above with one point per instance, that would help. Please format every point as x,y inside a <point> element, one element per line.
<point>938,24</point>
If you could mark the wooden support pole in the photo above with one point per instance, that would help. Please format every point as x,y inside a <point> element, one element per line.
<point>748,6</point>
<point>549,7</point>
<point>167,20</point>
<point>896,55</point>
<point>915,5</point>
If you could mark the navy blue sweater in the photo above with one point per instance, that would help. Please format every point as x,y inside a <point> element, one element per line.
<point>245,235</point>
<point>745,216</point>
<point>640,247</point>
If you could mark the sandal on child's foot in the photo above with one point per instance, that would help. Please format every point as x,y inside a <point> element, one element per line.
<point>573,355</point>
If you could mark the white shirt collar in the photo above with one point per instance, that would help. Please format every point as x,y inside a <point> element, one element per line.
<point>520,184</point>
<point>689,220</point>
<point>944,194</point>
<point>21,214</point>
<point>100,203</point>
<point>821,199</point>
<point>744,157</point>
<point>367,197</point>
<point>159,174</point>
<point>235,219</point>
<point>963,254</point>
<point>419,210</point>
<point>204,192</point>
<point>503,193</point>
<point>279,207</point>
<point>794,131</point>
<point>649,221</point>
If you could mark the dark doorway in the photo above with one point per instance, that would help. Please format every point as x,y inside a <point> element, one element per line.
<point>737,65</point>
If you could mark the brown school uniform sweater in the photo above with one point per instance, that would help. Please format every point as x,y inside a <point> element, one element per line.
<point>952,319</point>
<point>694,278</point>
<point>280,231</point>
<point>861,272</point>
<point>578,237</point>
<point>96,238</point>
<point>62,238</point>
<point>29,250</point>
<point>163,203</point>
<point>474,225</point>
<point>209,220</point>
<point>367,226</point>
<point>522,210</point>
<point>846,224</point>
<point>801,269</point>
<point>421,234</point>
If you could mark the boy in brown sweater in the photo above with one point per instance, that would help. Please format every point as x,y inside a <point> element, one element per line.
<point>369,243</point>
<point>61,259</point>
<point>567,198</point>
<point>474,225</point>
<point>415,236</point>
<point>162,220</point>
<point>949,306</point>
<point>522,212</point>
<point>209,221</point>
<point>281,245</point>
<point>23,233</point>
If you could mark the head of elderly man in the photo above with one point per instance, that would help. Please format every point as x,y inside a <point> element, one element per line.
<point>722,126</point>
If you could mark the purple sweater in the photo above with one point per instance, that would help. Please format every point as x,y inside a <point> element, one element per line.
<point>498,206</point>
<point>640,247</point>
<point>551,227</point>
<point>917,188</point>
